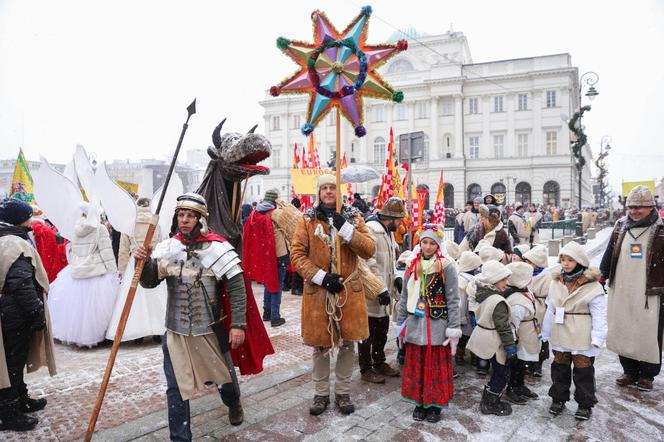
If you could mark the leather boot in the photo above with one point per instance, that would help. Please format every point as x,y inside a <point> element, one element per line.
<point>27,405</point>
<point>491,404</point>
<point>267,316</point>
<point>386,370</point>
<point>13,420</point>
<point>344,403</point>
<point>626,380</point>
<point>373,376</point>
<point>236,414</point>
<point>319,405</point>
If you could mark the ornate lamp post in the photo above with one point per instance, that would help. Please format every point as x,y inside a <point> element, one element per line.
<point>601,165</point>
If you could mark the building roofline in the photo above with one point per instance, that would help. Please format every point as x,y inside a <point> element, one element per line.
<point>520,58</point>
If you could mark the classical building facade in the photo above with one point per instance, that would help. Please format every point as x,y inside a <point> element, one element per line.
<point>494,127</point>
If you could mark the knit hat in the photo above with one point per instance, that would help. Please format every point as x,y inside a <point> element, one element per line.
<point>521,275</point>
<point>520,249</point>
<point>538,255</point>
<point>468,261</point>
<point>432,231</point>
<point>493,271</point>
<point>394,208</point>
<point>489,253</point>
<point>452,249</point>
<point>518,206</point>
<point>13,211</point>
<point>640,196</point>
<point>575,251</point>
<point>478,200</point>
<point>489,210</point>
<point>271,195</point>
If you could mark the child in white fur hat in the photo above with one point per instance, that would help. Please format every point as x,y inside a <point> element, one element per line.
<point>493,339</point>
<point>575,324</point>
<point>468,265</point>
<point>523,308</point>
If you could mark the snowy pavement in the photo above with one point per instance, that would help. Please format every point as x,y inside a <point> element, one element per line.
<point>276,402</point>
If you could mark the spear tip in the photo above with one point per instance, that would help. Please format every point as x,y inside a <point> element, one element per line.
<point>191,109</point>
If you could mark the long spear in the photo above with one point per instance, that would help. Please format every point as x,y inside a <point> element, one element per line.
<point>191,110</point>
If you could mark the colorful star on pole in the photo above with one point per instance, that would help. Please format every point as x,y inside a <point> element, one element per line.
<point>338,69</point>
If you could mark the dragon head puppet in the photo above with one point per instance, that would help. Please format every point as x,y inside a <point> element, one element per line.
<point>238,155</point>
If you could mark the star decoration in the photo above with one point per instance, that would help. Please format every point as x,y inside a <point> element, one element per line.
<point>338,69</point>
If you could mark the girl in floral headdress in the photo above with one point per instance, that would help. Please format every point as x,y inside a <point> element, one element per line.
<point>429,311</point>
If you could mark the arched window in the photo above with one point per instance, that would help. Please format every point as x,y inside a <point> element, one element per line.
<point>449,195</point>
<point>474,190</point>
<point>425,149</point>
<point>551,193</point>
<point>379,151</point>
<point>498,190</point>
<point>522,193</point>
<point>400,65</point>
<point>447,146</point>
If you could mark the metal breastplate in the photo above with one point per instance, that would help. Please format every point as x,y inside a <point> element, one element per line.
<point>191,303</point>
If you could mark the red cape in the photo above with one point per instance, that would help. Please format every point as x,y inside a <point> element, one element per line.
<point>249,356</point>
<point>258,251</point>
<point>53,255</point>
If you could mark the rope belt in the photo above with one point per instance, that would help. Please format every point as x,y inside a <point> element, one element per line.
<point>570,313</point>
<point>485,328</point>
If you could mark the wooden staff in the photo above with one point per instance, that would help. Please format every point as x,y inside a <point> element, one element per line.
<point>338,170</point>
<point>134,285</point>
<point>234,210</point>
<point>244,190</point>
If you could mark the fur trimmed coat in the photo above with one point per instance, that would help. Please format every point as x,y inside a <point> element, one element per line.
<point>311,251</point>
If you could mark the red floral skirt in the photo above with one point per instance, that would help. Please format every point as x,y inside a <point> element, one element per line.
<point>427,379</point>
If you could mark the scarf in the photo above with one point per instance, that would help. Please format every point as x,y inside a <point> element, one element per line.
<point>575,273</point>
<point>645,222</point>
<point>265,206</point>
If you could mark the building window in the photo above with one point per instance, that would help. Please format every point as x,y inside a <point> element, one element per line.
<point>498,145</point>
<point>379,113</point>
<point>474,147</point>
<point>400,65</point>
<point>379,151</point>
<point>474,190</point>
<point>472,106</point>
<point>296,122</point>
<point>401,111</point>
<point>423,109</point>
<point>522,193</point>
<point>425,148</point>
<point>447,107</point>
<point>551,142</point>
<point>448,198</point>
<point>498,103</point>
<point>275,123</point>
<point>550,98</point>
<point>522,145</point>
<point>551,195</point>
<point>275,154</point>
<point>448,146</point>
<point>523,102</point>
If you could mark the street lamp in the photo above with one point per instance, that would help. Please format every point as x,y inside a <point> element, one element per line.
<point>506,180</point>
<point>603,152</point>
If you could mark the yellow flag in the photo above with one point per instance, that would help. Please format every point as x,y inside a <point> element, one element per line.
<point>22,181</point>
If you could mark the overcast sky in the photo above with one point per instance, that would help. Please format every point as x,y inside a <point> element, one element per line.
<point>117,76</point>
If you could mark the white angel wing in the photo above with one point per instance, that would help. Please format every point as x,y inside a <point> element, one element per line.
<point>70,172</point>
<point>118,204</point>
<point>86,175</point>
<point>175,189</point>
<point>58,197</point>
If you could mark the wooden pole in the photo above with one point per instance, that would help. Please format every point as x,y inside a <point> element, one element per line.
<point>244,190</point>
<point>339,202</point>
<point>234,210</point>
<point>119,332</point>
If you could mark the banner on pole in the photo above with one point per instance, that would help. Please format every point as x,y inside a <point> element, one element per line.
<point>304,180</point>
<point>21,188</point>
<point>629,185</point>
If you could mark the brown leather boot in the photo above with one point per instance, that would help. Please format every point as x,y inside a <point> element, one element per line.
<point>236,414</point>
<point>344,403</point>
<point>320,404</point>
<point>373,376</point>
<point>386,370</point>
<point>625,380</point>
<point>644,384</point>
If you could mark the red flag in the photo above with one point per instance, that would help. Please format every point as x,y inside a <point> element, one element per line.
<point>439,207</point>
<point>296,158</point>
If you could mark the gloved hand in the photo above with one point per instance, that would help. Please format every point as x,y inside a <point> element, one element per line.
<point>332,282</point>
<point>473,320</point>
<point>384,298</point>
<point>602,281</point>
<point>453,342</point>
<point>38,321</point>
<point>338,221</point>
<point>510,352</point>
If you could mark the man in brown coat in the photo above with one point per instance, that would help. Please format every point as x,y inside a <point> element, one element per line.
<point>334,311</point>
<point>633,263</point>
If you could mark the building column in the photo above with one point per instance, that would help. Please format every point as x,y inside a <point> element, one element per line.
<point>458,126</point>
<point>509,147</point>
<point>434,142</point>
<point>535,146</point>
<point>486,143</point>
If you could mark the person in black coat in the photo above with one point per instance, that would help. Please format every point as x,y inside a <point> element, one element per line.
<point>21,312</point>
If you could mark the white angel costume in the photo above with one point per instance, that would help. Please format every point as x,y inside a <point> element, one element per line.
<point>148,311</point>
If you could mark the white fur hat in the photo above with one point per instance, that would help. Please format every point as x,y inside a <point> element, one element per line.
<point>493,271</point>
<point>521,275</point>
<point>489,253</point>
<point>468,261</point>
<point>452,249</point>
<point>521,249</point>
<point>575,251</point>
<point>538,255</point>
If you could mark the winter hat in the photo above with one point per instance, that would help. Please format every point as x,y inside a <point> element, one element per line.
<point>432,231</point>
<point>326,178</point>
<point>452,249</point>
<point>404,259</point>
<point>521,275</point>
<point>518,206</point>
<point>489,210</point>
<point>491,254</point>
<point>575,251</point>
<point>520,249</point>
<point>538,256</point>
<point>271,195</point>
<point>468,261</point>
<point>393,208</point>
<point>493,271</point>
<point>478,200</point>
<point>13,211</point>
<point>640,196</point>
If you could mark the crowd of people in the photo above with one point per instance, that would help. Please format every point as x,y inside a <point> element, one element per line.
<point>490,294</point>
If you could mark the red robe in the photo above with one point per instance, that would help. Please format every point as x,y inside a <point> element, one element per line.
<point>249,356</point>
<point>259,251</point>
<point>53,255</point>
